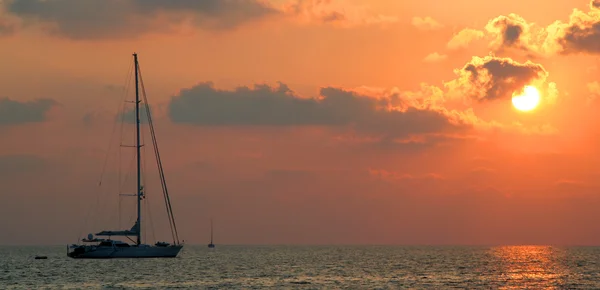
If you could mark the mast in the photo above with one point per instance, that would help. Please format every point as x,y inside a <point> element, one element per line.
<point>138,151</point>
<point>211,231</point>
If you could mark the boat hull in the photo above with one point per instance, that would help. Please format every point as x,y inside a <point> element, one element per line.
<point>126,252</point>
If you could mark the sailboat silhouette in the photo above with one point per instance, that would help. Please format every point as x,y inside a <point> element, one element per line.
<point>93,247</point>
<point>211,245</point>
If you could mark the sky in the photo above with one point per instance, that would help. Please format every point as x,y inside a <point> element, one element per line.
<point>304,121</point>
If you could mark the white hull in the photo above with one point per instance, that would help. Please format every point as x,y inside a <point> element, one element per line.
<point>126,252</point>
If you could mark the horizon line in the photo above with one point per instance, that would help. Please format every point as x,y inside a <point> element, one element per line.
<point>344,245</point>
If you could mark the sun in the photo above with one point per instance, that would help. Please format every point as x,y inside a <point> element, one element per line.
<point>528,100</point>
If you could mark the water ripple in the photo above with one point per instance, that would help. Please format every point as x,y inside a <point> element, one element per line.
<point>316,267</point>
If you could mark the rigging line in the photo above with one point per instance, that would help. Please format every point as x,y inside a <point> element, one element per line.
<point>121,180</point>
<point>159,163</point>
<point>114,128</point>
<point>131,165</point>
<point>163,186</point>
<point>149,212</point>
<point>122,117</point>
<point>111,142</point>
<point>86,218</point>
<point>163,183</point>
<point>120,158</point>
<point>143,181</point>
<point>120,151</point>
<point>120,186</point>
<point>148,115</point>
<point>144,225</point>
<point>146,199</point>
<point>119,219</point>
<point>147,206</point>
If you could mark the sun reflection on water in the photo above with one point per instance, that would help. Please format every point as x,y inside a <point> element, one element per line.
<point>531,266</point>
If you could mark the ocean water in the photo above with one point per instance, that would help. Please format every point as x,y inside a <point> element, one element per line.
<point>311,267</point>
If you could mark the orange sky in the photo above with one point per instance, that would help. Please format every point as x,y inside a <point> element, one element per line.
<point>307,121</point>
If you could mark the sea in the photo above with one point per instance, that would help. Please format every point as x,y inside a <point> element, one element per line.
<point>311,267</point>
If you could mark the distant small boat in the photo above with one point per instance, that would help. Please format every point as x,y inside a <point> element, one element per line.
<point>41,257</point>
<point>211,245</point>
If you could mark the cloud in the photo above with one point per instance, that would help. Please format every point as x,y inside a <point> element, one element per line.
<point>89,19</point>
<point>542,130</point>
<point>125,115</point>
<point>110,19</point>
<point>410,144</point>
<point>7,24</point>
<point>15,112</point>
<point>580,35</point>
<point>128,114</point>
<point>482,171</point>
<point>292,174</point>
<point>435,57</point>
<point>426,23</point>
<point>384,118</point>
<point>511,31</point>
<point>551,94</point>
<point>594,89</point>
<point>389,114</point>
<point>397,176</point>
<point>569,183</point>
<point>508,33</point>
<point>463,38</point>
<point>493,78</point>
<point>333,12</point>
<point>574,187</point>
<point>318,10</point>
<point>6,29</point>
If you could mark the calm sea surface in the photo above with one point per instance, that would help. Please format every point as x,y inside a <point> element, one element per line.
<point>311,267</point>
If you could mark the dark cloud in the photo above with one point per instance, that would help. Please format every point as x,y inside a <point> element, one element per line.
<point>88,19</point>
<point>580,35</point>
<point>492,78</point>
<point>263,105</point>
<point>514,33</point>
<point>125,115</point>
<point>509,29</point>
<point>15,112</point>
<point>113,19</point>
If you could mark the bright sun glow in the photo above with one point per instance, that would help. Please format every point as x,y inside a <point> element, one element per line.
<point>527,101</point>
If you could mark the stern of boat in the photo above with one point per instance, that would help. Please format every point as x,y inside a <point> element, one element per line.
<point>74,251</point>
